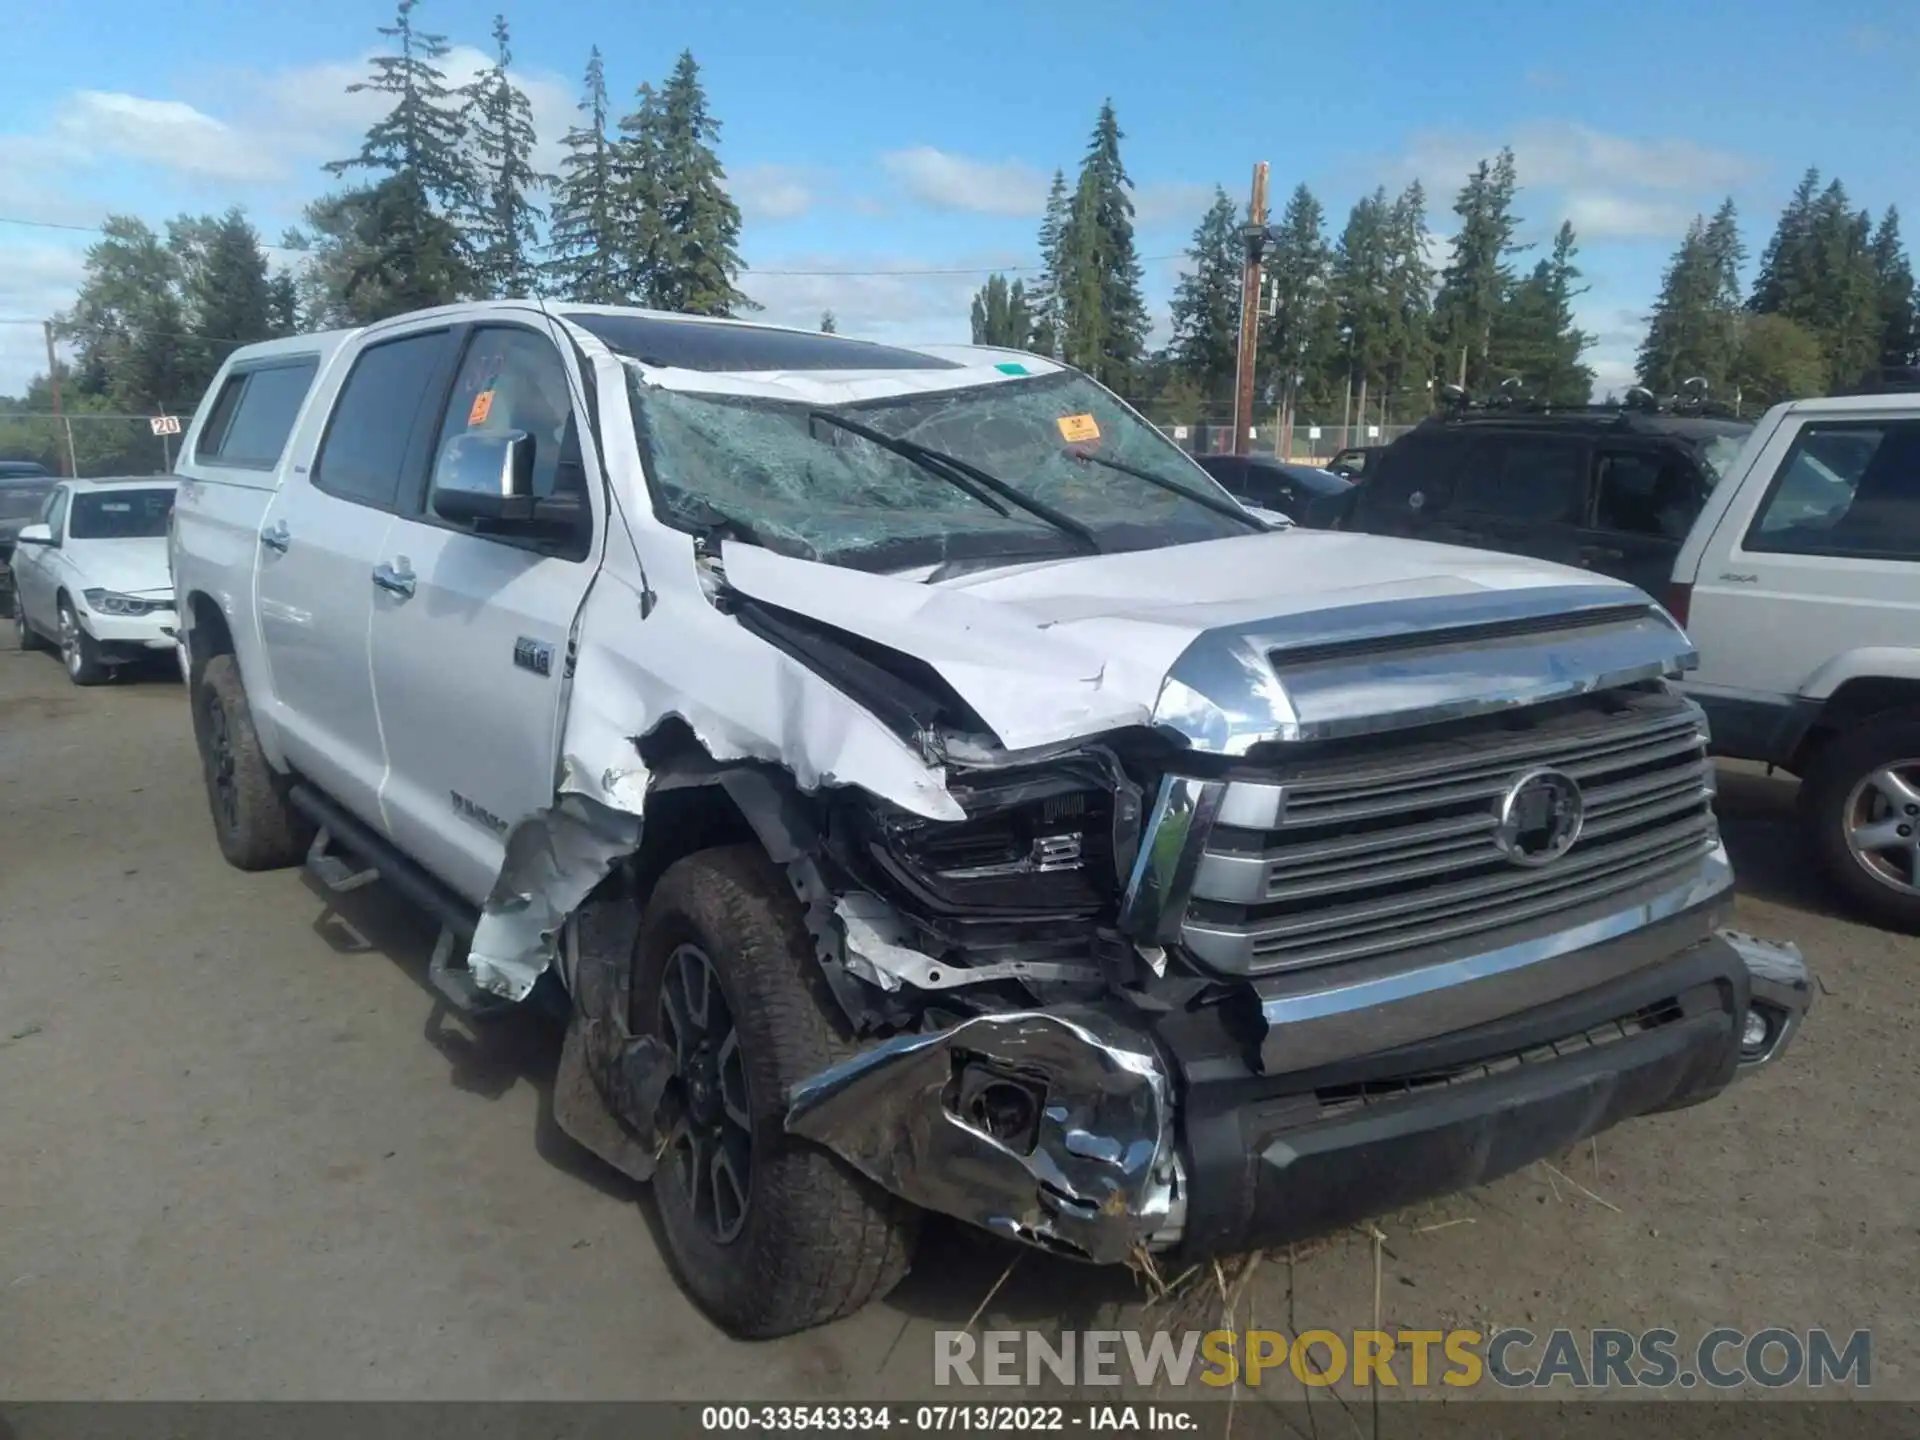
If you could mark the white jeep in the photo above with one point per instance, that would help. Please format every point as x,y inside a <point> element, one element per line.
<point>1800,583</point>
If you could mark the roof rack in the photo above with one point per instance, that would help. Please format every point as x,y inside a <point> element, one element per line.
<point>1513,399</point>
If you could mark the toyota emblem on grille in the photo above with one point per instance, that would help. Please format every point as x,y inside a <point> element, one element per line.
<point>1539,818</point>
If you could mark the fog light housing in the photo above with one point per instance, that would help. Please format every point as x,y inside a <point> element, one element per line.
<point>1755,1032</point>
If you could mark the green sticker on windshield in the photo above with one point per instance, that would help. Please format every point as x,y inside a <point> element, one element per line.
<point>1010,368</point>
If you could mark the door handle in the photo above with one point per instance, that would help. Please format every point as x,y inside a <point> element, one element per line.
<point>395,580</point>
<point>275,537</point>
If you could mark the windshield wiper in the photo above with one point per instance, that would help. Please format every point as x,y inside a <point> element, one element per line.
<point>1173,487</point>
<point>965,476</point>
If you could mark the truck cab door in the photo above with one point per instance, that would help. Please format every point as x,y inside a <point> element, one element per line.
<point>471,630</point>
<point>320,540</point>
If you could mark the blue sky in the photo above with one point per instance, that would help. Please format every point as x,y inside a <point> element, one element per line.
<point>912,137</point>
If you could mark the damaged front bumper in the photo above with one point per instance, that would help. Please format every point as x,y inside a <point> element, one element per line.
<point>1081,1130</point>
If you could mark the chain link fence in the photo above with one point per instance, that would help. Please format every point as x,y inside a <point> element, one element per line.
<point>99,445</point>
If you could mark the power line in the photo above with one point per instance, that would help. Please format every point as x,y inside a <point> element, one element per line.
<point>750,270</point>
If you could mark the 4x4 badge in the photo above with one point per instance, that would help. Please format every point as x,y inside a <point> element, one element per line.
<point>534,655</point>
<point>1539,818</point>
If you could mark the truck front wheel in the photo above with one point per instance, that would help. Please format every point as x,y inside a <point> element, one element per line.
<point>1860,803</point>
<point>770,1234</point>
<point>256,827</point>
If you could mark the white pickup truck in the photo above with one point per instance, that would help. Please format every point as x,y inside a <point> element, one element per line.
<point>928,791</point>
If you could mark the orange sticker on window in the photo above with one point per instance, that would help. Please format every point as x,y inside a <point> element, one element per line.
<point>482,407</point>
<point>1076,429</point>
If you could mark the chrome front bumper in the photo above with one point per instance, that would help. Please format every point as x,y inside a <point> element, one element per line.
<point>1066,1129</point>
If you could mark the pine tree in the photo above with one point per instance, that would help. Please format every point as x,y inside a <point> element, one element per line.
<point>376,252</point>
<point>1479,278</point>
<point>1045,299</point>
<point>1777,359</point>
<point>1685,333</point>
<point>501,224</point>
<point>1786,265</point>
<point>1536,331</point>
<point>1410,287</point>
<point>1894,276</point>
<point>1362,275</point>
<point>1301,335</point>
<point>283,305</point>
<point>686,227</point>
<point>1104,315</point>
<point>1000,314</point>
<point>828,325</point>
<point>1206,304</point>
<point>228,298</point>
<point>585,243</point>
<point>421,135</point>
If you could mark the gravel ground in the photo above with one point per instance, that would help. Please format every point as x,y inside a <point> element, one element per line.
<point>243,1154</point>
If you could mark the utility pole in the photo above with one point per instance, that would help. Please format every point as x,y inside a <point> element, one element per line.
<point>1255,235</point>
<point>71,467</point>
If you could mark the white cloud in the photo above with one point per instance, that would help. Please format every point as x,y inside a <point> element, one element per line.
<point>879,303</point>
<point>956,182</point>
<point>1610,186</point>
<point>771,192</point>
<point>1604,215</point>
<point>37,278</point>
<point>104,124</point>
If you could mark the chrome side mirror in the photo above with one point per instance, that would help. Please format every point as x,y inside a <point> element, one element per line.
<point>484,476</point>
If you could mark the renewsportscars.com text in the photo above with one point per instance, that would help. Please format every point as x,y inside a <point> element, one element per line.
<point>1601,1359</point>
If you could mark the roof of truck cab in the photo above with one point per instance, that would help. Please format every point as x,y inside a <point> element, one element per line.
<point>118,482</point>
<point>664,341</point>
<point>319,342</point>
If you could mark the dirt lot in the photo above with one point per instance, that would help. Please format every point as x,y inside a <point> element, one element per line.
<point>243,1155</point>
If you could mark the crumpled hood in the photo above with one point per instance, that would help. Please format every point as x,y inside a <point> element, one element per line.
<point>1049,651</point>
<point>131,567</point>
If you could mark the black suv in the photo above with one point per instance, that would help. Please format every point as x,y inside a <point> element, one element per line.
<point>1613,489</point>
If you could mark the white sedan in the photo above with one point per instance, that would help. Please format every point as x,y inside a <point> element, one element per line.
<point>91,576</point>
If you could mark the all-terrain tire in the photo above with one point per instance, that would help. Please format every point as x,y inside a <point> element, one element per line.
<point>256,827</point>
<point>1834,773</point>
<point>78,650</point>
<point>819,1240</point>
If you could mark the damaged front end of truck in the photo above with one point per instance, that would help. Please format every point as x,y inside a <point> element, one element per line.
<point>1299,944</point>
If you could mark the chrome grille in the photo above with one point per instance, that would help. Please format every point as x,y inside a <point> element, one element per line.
<point>1395,849</point>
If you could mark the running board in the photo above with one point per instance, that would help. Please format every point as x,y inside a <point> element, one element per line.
<point>347,854</point>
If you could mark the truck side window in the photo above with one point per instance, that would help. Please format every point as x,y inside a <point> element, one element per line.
<point>365,449</point>
<point>1845,490</point>
<point>514,379</point>
<point>1642,492</point>
<point>254,415</point>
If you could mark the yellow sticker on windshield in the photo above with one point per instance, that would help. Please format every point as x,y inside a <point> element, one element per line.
<point>482,407</point>
<point>1077,429</point>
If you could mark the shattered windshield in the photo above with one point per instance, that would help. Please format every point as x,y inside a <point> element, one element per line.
<point>784,475</point>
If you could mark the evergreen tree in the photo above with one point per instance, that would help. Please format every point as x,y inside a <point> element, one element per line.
<point>283,305</point>
<point>1787,264</point>
<point>1536,334</point>
<point>1206,304</point>
<point>1894,276</point>
<point>1302,333</point>
<point>1410,287</point>
<point>1363,295</point>
<point>828,325</point>
<point>686,227</point>
<point>224,288</point>
<point>501,221</point>
<point>1686,333</point>
<point>585,243</point>
<point>376,252</point>
<point>1104,315</point>
<point>421,135</point>
<point>1479,278</point>
<point>1000,314</point>
<point>1044,300</point>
